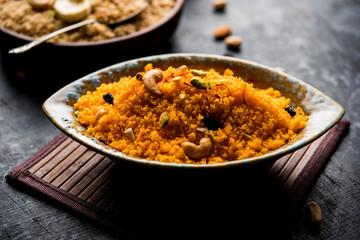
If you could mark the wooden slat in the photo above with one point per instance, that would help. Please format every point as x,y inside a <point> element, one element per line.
<point>73,168</point>
<point>94,173</point>
<point>278,165</point>
<point>51,155</point>
<point>113,209</point>
<point>87,174</point>
<point>290,165</point>
<point>82,172</point>
<point>47,167</point>
<point>105,201</point>
<point>100,192</point>
<point>60,167</point>
<point>312,148</point>
<point>86,193</point>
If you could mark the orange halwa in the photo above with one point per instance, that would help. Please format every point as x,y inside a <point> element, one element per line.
<point>253,121</point>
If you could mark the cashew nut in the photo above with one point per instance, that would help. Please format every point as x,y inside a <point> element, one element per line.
<point>150,79</point>
<point>100,113</point>
<point>41,4</point>
<point>194,151</point>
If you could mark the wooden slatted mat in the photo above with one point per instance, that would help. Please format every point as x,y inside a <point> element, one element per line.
<point>126,198</point>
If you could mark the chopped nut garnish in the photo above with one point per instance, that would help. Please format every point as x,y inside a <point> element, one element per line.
<point>183,69</point>
<point>100,113</point>
<point>246,136</point>
<point>138,76</point>
<point>176,79</point>
<point>196,82</point>
<point>164,120</point>
<point>202,129</point>
<point>211,135</point>
<point>198,72</point>
<point>182,96</point>
<point>130,134</point>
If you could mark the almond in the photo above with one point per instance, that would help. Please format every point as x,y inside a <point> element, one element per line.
<point>219,5</point>
<point>233,41</point>
<point>222,32</point>
<point>314,213</point>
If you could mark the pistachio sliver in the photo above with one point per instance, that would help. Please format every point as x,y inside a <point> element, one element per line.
<point>198,83</point>
<point>164,120</point>
<point>176,79</point>
<point>182,96</point>
<point>198,72</point>
<point>246,136</point>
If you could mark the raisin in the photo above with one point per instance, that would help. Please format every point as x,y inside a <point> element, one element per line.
<point>211,123</point>
<point>291,110</point>
<point>108,98</point>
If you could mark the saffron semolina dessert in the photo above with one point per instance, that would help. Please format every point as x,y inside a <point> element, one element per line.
<point>184,115</point>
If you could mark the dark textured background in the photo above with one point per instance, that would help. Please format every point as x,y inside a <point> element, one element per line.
<point>317,41</point>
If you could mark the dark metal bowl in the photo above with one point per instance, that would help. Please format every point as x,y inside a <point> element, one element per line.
<point>61,63</point>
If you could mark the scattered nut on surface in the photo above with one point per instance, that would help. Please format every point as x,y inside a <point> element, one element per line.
<point>222,31</point>
<point>314,213</point>
<point>233,42</point>
<point>219,5</point>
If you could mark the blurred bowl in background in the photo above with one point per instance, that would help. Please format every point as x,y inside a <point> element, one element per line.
<point>60,63</point>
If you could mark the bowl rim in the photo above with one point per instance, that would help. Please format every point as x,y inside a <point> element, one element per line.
<point>173,12</point>
<point>269,157</point>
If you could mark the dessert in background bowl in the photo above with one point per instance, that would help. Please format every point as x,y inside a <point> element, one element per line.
<point>85,49</point>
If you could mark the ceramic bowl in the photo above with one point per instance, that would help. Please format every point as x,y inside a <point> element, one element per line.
<point>323,112</point>
<point>65,62</point>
